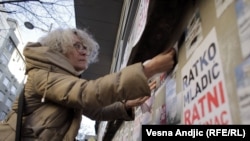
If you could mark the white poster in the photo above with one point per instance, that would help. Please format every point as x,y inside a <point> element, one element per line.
<point>172,100</point>
<point>242,73</point>
<point>140,22</point>
<point>137,30</point>
<point>137,125</point>
<point>242,8</point>
<point>204,94</point>
<point>193,34</point>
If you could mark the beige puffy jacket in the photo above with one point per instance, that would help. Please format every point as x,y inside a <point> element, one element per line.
<point>56,98</point>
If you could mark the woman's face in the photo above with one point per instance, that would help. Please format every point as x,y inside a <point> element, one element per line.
<point>78,55</point>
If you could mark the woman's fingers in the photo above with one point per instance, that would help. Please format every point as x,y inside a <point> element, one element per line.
<point>136,102</point>
<point>152,85</point>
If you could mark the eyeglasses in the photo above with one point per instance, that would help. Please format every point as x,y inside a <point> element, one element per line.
<point>80,47</point>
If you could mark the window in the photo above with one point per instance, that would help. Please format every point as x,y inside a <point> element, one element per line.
<point>1,74</point>
<point>6,82</point>
<point>4,59</point>
<point>2,115</point>
<point>13,90</point>
<point>10,45</point>
<point>1,96</point>
<point>8,103</point>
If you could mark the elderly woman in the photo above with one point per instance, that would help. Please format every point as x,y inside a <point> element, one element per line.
<point>56,97</point>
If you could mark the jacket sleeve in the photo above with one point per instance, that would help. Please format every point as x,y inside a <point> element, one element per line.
<point>70,91</point>
<point>115,111</point>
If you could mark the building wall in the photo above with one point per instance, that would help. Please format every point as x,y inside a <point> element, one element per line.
<point>12,66</point>
<point>210,83</point>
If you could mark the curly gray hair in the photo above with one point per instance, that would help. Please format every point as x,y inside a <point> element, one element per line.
<point>60,40</point>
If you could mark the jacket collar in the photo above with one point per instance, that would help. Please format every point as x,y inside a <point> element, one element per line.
<point>38,56</point>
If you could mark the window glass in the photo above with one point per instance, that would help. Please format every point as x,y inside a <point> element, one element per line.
<point>4,59</point>
<point>6,82</point>
<point>13,90</point>
<point>1,73</point>
<point>2,115</point>
<point>8,103</point>
<point>1,96</point>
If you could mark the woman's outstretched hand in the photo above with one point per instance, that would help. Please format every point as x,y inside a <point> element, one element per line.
<point>163,62</point>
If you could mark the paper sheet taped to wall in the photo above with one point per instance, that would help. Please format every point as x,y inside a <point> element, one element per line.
<point>205,97</point>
